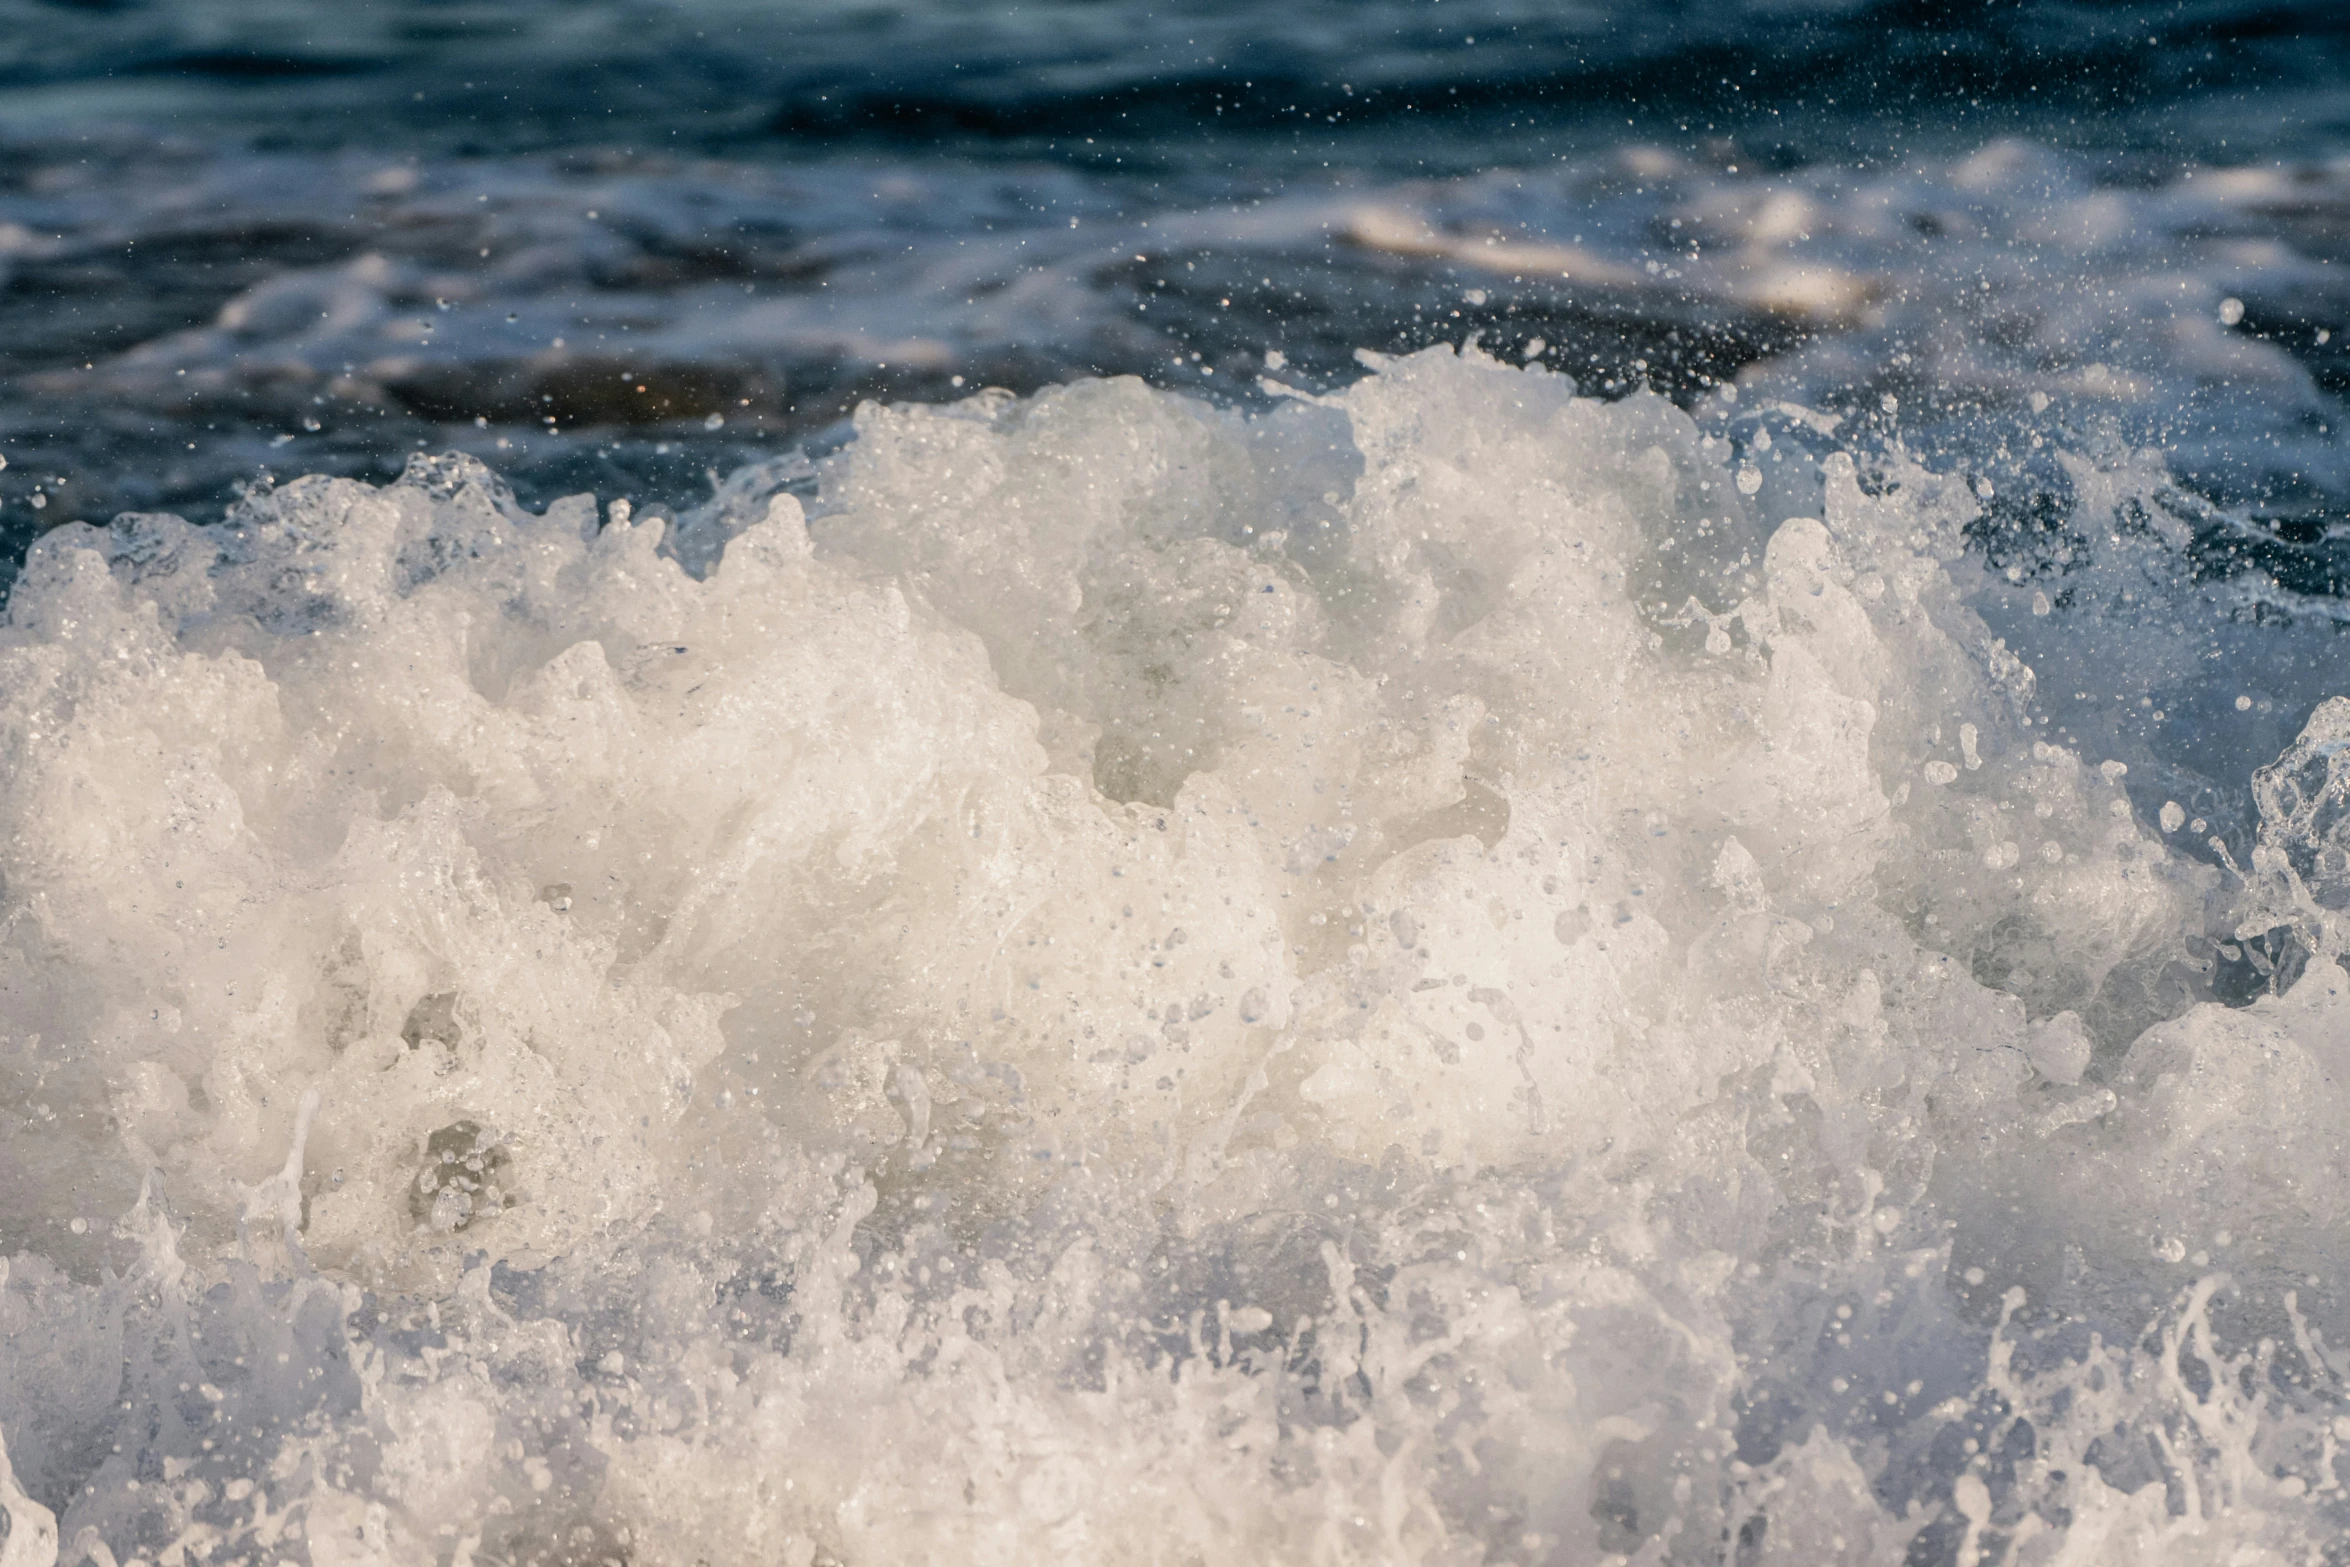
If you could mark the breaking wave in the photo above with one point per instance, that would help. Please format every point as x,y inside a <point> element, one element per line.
<point>1446,972</point>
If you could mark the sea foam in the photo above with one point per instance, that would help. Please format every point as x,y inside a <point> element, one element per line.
<point>1412,977</point>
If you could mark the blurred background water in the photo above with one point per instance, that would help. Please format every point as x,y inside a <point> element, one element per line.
<point>239,238</point>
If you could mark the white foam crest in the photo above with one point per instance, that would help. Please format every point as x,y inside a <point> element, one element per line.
<point>1409,978</point>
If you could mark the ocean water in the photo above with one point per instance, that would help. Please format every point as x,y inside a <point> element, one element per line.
<point>1450,783</point>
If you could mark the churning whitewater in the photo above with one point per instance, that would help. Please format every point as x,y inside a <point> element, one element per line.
<point>1443,973</point>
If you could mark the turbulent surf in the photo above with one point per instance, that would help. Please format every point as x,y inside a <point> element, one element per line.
<point>1428,973</point>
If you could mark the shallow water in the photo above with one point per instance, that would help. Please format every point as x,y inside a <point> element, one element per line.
<point>1481,837</point>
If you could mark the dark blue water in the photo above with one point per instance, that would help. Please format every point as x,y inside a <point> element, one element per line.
<point>1371,83</point>
<point>160,164</point>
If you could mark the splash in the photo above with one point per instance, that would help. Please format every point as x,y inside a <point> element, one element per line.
<point>1406,978</point>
